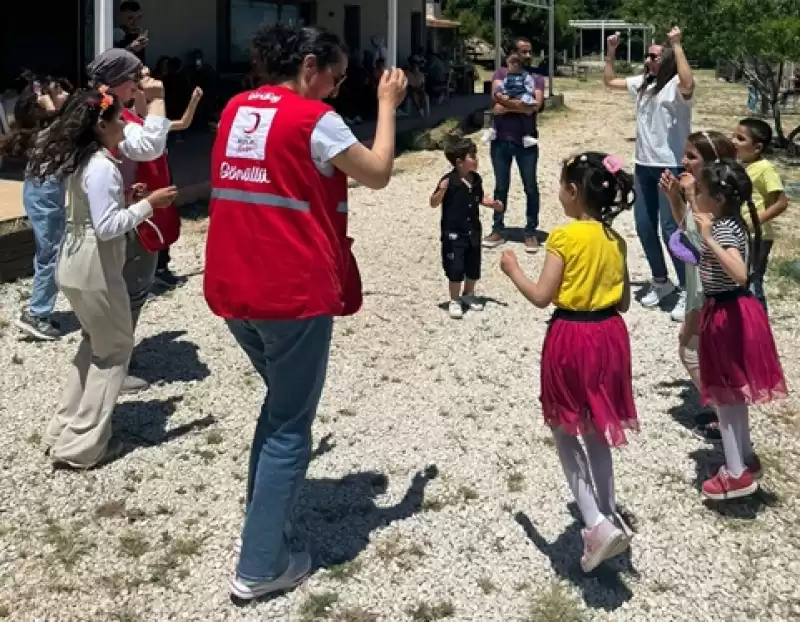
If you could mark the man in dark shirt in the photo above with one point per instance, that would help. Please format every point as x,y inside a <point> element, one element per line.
<point>460,192</point>
<point>513,121</point>
<point>129,35</point>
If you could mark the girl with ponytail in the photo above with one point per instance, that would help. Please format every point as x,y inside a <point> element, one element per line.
<point>739,363</point>
<point>586,387</point>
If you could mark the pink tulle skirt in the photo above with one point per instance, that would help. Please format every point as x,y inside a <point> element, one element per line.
<point>738,360</point>
<point>586,376</point>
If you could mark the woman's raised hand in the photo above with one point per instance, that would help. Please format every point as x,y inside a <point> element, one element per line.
<point>392,87</point>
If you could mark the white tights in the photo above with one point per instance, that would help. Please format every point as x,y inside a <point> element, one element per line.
<point>590,475</point>
<point>734,427</point>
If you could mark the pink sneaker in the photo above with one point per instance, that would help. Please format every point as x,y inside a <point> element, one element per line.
<point>724,486</point>
<point>601,543</point>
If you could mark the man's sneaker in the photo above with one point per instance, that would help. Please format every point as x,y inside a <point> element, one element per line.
<point>455,310</point>
<point>166,279</point>
<point>678,312</point>
<point>531,244</point>
<point>297,572</point>
<point>38,327</point>
<point>600,543</point>
<point>724,486</point>
<point>493,240</point>
<point>657,293</point>
<point>132,384</point>
<point>472,302</point>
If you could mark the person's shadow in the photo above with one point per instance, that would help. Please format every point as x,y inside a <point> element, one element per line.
<point>517,235</point>
<point>601,589</point>
<point>166,358</point>
<point>689,407</point>
<point>336,516</point>
<point>144,424</point>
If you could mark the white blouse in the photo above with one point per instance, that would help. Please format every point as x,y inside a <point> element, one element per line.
<point>101,181</point>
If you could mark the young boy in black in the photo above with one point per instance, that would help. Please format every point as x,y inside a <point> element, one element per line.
<point>459,193</point>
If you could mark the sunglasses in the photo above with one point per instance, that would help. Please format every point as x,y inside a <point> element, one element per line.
<point>338,81</point>
<point>652,56</point>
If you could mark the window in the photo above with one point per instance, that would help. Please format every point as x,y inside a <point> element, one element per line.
<point>247,15</point>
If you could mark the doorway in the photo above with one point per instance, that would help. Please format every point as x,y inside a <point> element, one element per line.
<point>352,26</point>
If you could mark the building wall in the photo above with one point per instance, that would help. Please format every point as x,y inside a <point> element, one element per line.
<point>174,30</point>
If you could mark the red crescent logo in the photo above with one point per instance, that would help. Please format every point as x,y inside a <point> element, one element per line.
<point>257,117</point>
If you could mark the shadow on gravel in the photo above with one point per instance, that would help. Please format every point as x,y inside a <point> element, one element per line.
<point>167,358</point>
<point>485,300</point>
<point>516,235</point>
<point>746,508</point>
<point>603,588</point>
<point>685,412</point>
<point>337,516</point>
<point>144,424</point>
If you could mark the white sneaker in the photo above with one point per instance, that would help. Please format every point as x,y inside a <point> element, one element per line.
<point>679,311</point>
<point>529,141</point>
<point>657,293</point>
<point>472,302</point>
<point>297,572</point>
<point>455,310</point>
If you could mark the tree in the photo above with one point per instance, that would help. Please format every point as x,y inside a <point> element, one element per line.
<point>757,36</point>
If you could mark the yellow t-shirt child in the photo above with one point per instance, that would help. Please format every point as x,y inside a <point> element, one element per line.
<point>594,265</point>
<point>766,181</point>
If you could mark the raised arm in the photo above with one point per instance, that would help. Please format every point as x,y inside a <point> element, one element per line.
<point>685,77</point>
<point>373,167</point>
<point>610,78</point>
<point>185,122</point>
<point>144,143</point>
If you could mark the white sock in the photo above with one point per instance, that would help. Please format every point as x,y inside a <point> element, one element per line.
<point>576,469</point>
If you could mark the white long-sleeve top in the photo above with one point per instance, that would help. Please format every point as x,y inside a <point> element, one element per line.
<point>142,143</point>
<point>101,182</point>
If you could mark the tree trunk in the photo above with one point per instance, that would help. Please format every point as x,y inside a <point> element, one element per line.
<point>780,137</point>
<point>792,147</point>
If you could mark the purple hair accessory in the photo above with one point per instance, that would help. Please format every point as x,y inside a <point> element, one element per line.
<point>613,164</point>
<point>682,248</point>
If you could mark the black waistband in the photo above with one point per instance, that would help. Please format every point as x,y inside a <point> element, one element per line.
<point>584,316</point>
<point>731,294</point>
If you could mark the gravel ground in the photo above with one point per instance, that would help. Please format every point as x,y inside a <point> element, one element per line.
<point>435,491</point>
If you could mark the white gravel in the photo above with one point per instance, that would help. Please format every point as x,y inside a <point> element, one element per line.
<point>149,537</point>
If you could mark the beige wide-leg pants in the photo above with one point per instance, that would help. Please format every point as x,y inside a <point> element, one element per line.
<point>90,274</point>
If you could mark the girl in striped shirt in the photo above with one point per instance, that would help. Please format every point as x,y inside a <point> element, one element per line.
<point>739,364</point>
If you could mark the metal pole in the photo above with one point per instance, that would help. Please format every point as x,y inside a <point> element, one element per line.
<point>581,38</point>
<point>629,46</point>
<point>498,34</point>
<point>103,25</point>
<point>391,39</point>
<point>551,64</point>
<point>603,40</point>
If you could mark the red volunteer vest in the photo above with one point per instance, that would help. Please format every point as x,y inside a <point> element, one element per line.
<point>277,245</point>
<point>163,228</point>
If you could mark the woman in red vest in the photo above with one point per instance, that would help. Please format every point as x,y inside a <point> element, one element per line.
<point>279,266</point>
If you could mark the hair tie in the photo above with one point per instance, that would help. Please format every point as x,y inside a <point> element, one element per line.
<point>104,102</point>
<point>612,164</point>
<point>605,184</point>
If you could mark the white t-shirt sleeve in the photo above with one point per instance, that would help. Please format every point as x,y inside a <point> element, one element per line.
<point>634,84</point>
<point>330,137</point>
<point>672,93</point>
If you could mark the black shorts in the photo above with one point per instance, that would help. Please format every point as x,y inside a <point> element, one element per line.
<point>461,256</point>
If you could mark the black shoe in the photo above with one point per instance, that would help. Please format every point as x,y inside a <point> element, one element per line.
<point>38,327</point>
<point>706,417</point>
<point>166,279</point>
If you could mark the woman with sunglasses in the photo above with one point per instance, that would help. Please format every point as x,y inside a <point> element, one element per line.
<point>663,96</point>
<point>279,266</point>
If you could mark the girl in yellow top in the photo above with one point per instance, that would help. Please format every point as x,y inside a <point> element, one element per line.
<point>586,387</point>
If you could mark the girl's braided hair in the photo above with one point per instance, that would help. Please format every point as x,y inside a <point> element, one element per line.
<point>726,178</point>
<point>606,189</point>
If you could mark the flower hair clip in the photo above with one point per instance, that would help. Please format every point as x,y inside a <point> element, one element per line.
<point>612,164</point>
<point>105,101</point>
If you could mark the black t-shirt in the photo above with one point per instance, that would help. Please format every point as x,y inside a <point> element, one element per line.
<point>461,203</point>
